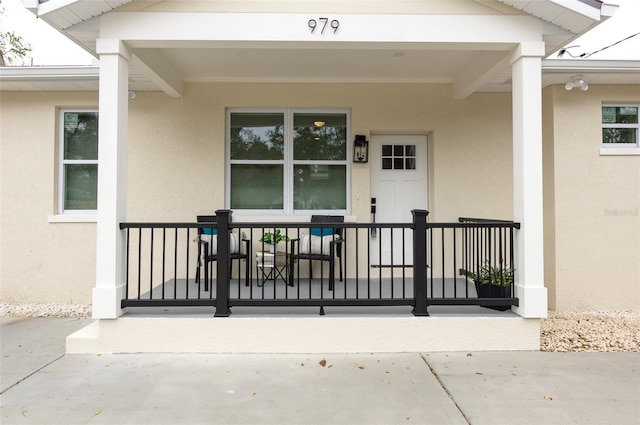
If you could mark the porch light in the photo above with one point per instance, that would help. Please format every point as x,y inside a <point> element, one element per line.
<point>577,82</point>
<point>360,149</point>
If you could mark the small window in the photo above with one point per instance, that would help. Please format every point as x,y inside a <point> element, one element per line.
<point>398,157</point>
<point>78,191</point>
<point>620,126</point>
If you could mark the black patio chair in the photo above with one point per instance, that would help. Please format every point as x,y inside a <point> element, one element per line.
<point>312,253</point>
<point>208,257</point>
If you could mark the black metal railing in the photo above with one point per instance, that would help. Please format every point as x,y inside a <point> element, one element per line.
<point>370,264</point>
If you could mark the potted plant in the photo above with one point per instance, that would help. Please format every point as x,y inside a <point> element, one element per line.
<point>273,239</point>
<point>493,282</point>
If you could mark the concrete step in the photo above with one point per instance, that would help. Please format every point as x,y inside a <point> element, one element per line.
<point>305,334</point>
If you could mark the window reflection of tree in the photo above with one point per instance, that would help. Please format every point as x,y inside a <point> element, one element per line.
<point>246,144</point>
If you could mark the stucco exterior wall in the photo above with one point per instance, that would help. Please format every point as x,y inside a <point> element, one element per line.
<point>596,204</point>
<point>187,137</point>
<point>40,261</point>
<point>177,164</point>
<point>549,196</point>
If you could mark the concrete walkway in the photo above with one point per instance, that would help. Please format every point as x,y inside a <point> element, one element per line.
<point>42,385</point>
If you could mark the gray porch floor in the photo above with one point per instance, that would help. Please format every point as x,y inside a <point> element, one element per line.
<point>317,289</point>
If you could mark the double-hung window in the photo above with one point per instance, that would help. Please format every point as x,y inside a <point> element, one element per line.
<point>620,127</point>
<point>78,190</point>
<point>287,161</point>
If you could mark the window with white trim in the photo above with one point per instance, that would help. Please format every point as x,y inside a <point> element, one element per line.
<point>287,161</point>
<point>78,190</point>
<point>620,126</point>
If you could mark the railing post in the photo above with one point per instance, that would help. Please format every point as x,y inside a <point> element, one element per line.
<point>420,262</point>
<point>223,217</point>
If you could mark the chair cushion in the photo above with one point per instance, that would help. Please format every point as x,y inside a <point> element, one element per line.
<point>235,244</point>
<point>311,244</point>
<point>322,231</point>
<point>209,231</point>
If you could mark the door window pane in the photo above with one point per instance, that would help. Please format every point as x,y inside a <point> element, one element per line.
<point>258,136</point>
<point>81,189</point>
<point>257,186</point>
<point>320,187</point>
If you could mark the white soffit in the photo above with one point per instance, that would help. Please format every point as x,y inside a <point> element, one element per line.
<point>575,16</point>
<point>63,14</point>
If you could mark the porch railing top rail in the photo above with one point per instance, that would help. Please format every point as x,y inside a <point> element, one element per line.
<point>467,223</point>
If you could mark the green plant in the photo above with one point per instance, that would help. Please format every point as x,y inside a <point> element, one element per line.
<point>493,275</point>
<point>274,238</point>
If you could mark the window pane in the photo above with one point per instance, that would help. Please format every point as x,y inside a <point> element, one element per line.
<point>257,136</point>
<point>80,135</point>
<point>320,187</point>
<point>620,114</point>
<point>627,115</point>
<point>619,135</point>
<point>386,163</point>
<point>411,164</point>
<point>398,163</point>
<point>81,191</point>
<point>608,114</point>
<point>256,187</point>
<point>387,150</point>
<point>320,137</point>
<point>411,150</point>
<point>398,150</point>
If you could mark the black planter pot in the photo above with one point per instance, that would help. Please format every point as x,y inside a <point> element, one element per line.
<point>492,291</point>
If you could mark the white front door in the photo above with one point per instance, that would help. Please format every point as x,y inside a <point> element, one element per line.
<point>398,185</point>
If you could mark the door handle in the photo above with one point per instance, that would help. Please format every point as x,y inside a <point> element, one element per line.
<point>374,231</point>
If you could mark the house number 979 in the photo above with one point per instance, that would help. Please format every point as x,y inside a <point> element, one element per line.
<point>322,23</point>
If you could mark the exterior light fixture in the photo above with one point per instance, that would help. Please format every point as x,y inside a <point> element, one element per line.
<point>576,82</point>
<point>360,149</point>
<point>319,123</point>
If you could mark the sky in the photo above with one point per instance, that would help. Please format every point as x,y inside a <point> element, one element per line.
<point>51,48</point>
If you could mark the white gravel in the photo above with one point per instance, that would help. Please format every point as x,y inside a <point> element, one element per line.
<point>45,310</point>
<point>591,331</point>
<point>569,331</point>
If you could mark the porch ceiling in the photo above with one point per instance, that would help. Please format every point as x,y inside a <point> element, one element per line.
<point>335,65</point>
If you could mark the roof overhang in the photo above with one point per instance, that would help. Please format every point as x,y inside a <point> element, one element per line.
<point>85,78</point>
<point>469,69</point>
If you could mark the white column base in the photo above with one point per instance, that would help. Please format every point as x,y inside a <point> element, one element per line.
<point>533,302</point>
<point>106,302</point>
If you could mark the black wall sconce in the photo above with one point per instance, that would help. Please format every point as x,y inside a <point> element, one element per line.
<point>360,149</point>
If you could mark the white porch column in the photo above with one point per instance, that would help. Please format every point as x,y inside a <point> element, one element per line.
<point>112,191</point>
<point>527,179</point>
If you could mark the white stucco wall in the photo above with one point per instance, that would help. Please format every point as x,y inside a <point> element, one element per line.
<point>40,261</point>
<point>176,164</point>
<point>187,138</point>
<point>593,234</point>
